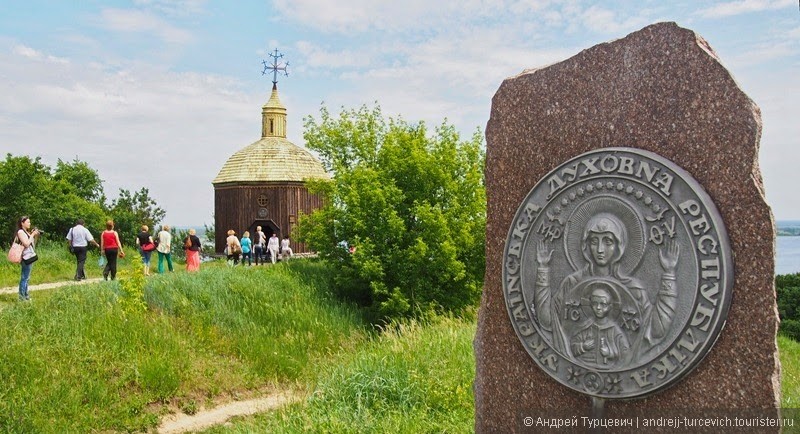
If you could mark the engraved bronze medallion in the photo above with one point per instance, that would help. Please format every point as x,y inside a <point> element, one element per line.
<point>617,273</point>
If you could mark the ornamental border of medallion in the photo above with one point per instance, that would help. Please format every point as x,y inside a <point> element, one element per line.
<point>710,251</point>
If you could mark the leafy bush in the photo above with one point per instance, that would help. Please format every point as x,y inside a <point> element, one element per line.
<point>404,217</point>
<point>787,288</point>
<point>131,289</point>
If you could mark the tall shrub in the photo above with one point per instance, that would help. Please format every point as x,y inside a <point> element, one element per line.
<point>404,214</point>
<point>787,288</point>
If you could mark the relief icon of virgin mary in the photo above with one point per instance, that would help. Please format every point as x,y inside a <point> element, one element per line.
<point>584,314</point>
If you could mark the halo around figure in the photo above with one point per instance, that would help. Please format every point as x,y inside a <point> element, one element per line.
<point>624,213</point>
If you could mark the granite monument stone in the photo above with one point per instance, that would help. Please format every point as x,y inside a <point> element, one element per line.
<point>630,251</point>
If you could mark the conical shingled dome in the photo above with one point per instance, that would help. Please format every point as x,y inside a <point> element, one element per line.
<point>273,158</point>
<point>270,159</point>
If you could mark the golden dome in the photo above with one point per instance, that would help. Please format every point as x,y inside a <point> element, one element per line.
<point>273,158</point>
<point>270,159</point>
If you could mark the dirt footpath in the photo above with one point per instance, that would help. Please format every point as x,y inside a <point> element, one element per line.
<point>180,423</point>
<point>15,289</point>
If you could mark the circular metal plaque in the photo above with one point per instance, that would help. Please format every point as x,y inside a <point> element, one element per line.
<point>617,273</point>
<point>262,212</point>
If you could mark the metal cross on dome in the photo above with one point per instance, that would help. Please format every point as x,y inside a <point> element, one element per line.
<point>275,67</point>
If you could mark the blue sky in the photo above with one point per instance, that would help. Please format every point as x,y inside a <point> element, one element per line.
<point>159,93</point>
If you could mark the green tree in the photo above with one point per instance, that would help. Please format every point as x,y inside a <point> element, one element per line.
<point>404,216</point>
<point>27,187</point>
<point>787,291</point>
<point>84,179</point>
<point>55,199</point>
<point>132,210</point>
<point>23,181</point>
<point>209,231</point>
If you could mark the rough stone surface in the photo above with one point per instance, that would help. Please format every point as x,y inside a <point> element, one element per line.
<point>661,89</point>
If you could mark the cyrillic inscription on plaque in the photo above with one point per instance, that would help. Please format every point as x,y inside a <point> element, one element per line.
<point>617,273</point>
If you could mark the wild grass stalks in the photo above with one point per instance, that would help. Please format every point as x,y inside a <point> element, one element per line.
<point>77,360</point>
<point>57,264</point>
<point>412,378</point>
<point>790,372</point>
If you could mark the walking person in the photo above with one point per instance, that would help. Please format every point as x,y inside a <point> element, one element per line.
<point>286,250</point>
<point>272,246</point>
<point>247,245</point>
<point>79,238</point>
<point>164,249</point>
<point>27,238</point>
<point>146,246</point>
<point>259,241</point>
<point>111,247</point>
<point>234,247</point>
<point>192,246</point>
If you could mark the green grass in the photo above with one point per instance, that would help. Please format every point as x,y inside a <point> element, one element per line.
<point>78,360</point>
<point>413,378</point>
<point>74,360</point>
<point>417,379</point>
<point>57,264</point>
<point>790,372</point>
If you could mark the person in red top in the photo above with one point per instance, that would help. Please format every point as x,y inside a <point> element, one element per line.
<point>111,246</point>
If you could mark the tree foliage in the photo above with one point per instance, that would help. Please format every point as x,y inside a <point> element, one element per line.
<point>404,215</point>
<point>132,210</point>
<point>56,198</point>
<point>787,288</point>
<point>85,180</point>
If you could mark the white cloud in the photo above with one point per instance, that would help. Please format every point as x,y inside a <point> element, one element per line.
<point>30,53</point>
<point>440,77</point>
<point>727,9</point>
<point>762,53</point>
<point>315,56</point>
<point>173,7</point>
<point>605,21</point>
<point>355,16</point>
<point>138,126</point>
<point>137,21</point>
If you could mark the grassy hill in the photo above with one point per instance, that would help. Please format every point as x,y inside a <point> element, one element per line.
<point>76,359</point>
<point>80,358</point>
<point>84,358</point>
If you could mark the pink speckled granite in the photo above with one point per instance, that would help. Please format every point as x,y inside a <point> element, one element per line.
<point>661,89</point>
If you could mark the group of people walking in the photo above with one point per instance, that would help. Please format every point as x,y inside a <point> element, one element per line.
<point>79,238</point>
<point>110,245</point>
<point>256,248</point>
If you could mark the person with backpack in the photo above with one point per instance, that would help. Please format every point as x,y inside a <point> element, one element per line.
<point>233,248</point>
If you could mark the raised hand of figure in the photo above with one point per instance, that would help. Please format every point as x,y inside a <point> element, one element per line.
<point>669,256</point>
<point>543,253</point>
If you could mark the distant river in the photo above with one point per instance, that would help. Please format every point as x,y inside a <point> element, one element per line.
<point>787,255</point>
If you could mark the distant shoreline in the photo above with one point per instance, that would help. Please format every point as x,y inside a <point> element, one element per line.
<point>788,228</point>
